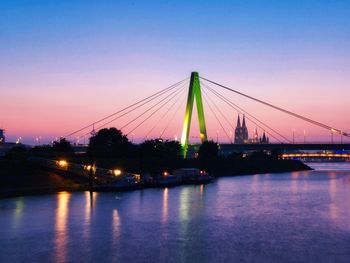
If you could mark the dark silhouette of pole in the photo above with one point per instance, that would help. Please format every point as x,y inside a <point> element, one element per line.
<point>91,171</point>
<point>341,138</point>
<point>331,137</point>
<point>91,176</point>
<point>141,165</point>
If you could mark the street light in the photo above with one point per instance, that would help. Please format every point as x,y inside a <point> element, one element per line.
<point>117,172</point>
<point>62,163</point>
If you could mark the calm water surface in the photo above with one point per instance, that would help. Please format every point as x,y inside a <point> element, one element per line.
<point>289,217</point>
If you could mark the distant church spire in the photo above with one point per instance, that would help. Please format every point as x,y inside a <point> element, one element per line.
<point>238,122</point>
<point>256,136</point>
<point>243,123</point>
<point>241,132</point>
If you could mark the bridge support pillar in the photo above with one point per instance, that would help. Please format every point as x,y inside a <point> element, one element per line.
<point>194,92</point>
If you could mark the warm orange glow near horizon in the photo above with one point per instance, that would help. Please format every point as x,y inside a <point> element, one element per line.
<point>31,124</point>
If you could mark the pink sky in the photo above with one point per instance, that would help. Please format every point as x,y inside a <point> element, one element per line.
<point>70,103</point>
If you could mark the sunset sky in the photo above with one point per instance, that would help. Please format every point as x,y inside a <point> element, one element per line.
<point>65,64</point>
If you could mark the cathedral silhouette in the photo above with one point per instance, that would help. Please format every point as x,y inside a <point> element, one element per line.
<point>241,134</point>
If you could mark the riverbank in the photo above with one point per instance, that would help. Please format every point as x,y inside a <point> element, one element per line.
<point>19,178</point>
<point>258,166</point>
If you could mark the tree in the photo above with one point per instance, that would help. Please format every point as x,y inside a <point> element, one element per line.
<point>208,151</point>
<point>154,148</point>
<point>172,148</point>
<point>62,146</point>
<point>18,152</point>
<point>160,148</point>
<point>109,143</point>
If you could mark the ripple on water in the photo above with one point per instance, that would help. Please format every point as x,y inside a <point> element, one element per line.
<point>289,217</point>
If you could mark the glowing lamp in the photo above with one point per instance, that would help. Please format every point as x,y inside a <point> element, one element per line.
<point>117,172</point>
<point>62,163</point>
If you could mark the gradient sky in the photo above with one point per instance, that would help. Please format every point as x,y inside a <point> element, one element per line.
<point>64,64</point>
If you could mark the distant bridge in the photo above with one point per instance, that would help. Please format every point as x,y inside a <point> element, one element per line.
<point>284,147</point>
<point>308,155</point>
<point>226,149</point>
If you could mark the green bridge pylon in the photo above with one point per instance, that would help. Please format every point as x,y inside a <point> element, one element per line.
<point>193,92</point>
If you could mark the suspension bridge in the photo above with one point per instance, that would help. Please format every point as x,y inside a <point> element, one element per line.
<point>161,112</point>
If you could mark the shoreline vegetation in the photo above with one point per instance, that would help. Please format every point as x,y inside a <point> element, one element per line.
<point>110,149</point>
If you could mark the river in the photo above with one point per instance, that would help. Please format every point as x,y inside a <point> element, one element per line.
<point>287,217</point>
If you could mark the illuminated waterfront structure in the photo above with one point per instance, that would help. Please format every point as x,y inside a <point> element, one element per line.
<point>2,136</point>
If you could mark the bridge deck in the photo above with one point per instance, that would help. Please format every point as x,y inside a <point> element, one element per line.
<point>282,146</point>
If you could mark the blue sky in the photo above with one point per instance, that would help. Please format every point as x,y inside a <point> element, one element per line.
<point>264,48</point>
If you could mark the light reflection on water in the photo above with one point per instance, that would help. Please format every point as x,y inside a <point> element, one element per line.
<point>61,229</point>
<point>116,227</point>
<point>165,205</point>
<point>17,215</point>
<point>330,166</point>
<point>88,211</point>
<point>184,207</point>
<point>289,217</point>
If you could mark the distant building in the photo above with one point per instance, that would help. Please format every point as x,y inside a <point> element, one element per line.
<point>2,135</point>
<point>255,139</point>
<point>264,138</point>
<point>241,132</point>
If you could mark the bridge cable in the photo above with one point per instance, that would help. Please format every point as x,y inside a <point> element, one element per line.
<point>239,112</point>
<point>221,113</point>
<point>154,112</point>
<point>163,116</point>
<point>150,108</point>
<point>242,111</point>
<point>172,117</point>
<point>281,109</point>
<point>118,117</point>
<point>150,98</point>
<point>216,117</point>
